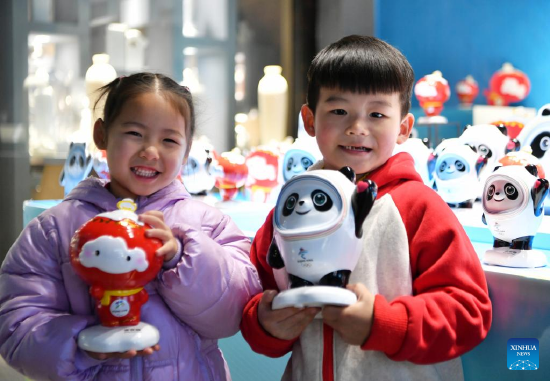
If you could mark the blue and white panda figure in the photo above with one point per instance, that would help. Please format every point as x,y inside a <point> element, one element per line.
<point>457,170</point>
<point>513,201</point>
<point>300,156</point>
<point>197,173</point>
<point>424,160</point>
<point>317,237</point>
<point>77,167</point>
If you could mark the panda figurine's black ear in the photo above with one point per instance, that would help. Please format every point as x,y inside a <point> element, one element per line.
<point>361,202</point>
<point>349,173</point>
<point>502,128</point>
<point>545,112</point>
<point>532,169</point>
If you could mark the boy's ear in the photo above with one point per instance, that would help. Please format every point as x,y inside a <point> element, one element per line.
<point>100,134</point>
<point>308,118</point>
<point>405,128</point>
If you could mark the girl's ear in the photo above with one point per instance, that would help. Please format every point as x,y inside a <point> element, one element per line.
<point>405,128</point>
<point>100,134</point>
<point>309,120</point>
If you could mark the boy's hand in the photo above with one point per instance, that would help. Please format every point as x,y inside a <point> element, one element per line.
<point>161,231</point>
<point>353,322</point>
<point>123,355</point>
<point>286,323</point>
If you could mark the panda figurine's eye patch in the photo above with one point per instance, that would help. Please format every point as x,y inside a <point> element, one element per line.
<point>306,163</point>
<point>321,200</point>
<point>290,204</point>
<point>511,191</point>
<point>490,192</point>
<point>460,166</point>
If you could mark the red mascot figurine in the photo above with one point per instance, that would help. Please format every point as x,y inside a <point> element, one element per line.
<point>111,253</point>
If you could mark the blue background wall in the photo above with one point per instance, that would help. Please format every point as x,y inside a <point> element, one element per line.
<point>461,37</point>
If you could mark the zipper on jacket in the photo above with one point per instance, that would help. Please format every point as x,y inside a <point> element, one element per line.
<point>328,353</point>
<point>136,368</point>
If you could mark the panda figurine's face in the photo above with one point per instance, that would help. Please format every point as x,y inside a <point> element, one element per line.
<point>191,167</point>
<point>502,195</point>
<point>313,203</point>
<point>296,162</point>
<point>452,167</point>
<point>76,163</point>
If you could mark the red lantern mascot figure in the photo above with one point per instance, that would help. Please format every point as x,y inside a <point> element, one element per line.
<point>111,253</point>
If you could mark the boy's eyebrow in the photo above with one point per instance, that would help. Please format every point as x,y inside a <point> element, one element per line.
<point>338,98</point>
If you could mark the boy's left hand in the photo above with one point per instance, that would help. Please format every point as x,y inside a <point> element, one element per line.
<point>161,231</point>
<point>353,322</point>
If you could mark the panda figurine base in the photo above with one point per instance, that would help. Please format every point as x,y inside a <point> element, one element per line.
<point>513,203</point>
<point>503,256</point>
<point>317,237</point>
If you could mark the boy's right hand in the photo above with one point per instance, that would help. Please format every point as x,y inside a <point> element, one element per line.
<point>286,323</point>
<point>123,355</point>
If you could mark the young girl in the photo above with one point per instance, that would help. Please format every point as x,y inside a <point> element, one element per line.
<point>198,296</point>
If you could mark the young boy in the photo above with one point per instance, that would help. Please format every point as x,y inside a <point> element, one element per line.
<point>422,294</point>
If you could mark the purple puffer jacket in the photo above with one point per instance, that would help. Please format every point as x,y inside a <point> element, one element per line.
<point>44,304</point>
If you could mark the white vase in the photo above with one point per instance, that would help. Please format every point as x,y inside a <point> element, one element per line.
<point>98,75</point>
<point>272,105</point>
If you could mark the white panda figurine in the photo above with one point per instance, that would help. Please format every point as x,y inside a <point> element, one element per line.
<point>490,142</point>
<point>424,160</point>
<point>76,168</point>
<point>457,169</point>
<point>536,134</point>
<point>317,235</point>
<point>300,156</point>
<point>513,199</point>
<point>197,174</point>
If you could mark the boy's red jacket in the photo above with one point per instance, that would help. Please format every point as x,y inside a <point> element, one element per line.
<point>447,311</point>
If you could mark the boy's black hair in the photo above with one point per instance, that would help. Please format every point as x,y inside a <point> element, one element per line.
<point>361,64</point>
<point>122,89</point>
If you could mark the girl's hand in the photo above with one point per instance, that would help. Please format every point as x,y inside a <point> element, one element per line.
<point>123,355</point>
<point>353,322</point>
<point>161,231</point>
<point>286,323</point>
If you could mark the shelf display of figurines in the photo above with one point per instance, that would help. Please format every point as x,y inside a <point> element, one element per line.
<point>111,253</point>
<point>467,90</point>
<point>432,91</point>
<point>507,85</point>
<point>513,202</point>
<point>490,142</point>
<point>77,167</point>
<point>317,235</point>
<point>422,154</point>
<point>457,169</point>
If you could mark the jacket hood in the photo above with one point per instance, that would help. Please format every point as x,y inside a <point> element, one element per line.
<point>94,191</point>
<point>398,168</point>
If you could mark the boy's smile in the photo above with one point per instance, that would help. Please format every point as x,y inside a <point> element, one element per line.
<point>357,130</point>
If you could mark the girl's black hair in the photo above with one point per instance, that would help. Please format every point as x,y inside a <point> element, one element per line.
<point>361,64</point>
<point>123,89</point>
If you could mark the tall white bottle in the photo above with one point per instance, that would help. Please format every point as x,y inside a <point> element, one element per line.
<point>98,75</point>
<point>272,105</point>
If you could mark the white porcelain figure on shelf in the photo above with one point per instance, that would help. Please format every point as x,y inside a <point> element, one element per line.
<point>272,104</point>
<point>317,238</point>
<point>513,202</point>
<point>98,75</point>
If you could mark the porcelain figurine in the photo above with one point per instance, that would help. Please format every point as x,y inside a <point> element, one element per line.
<point>432,91</point>
<point>424,159</point>
<point>263,173</point>
<point>232,175</point>
<point>513,201</point>
<point>76,168</point>
<point>111,253</point>
<point>317,237</point>
<point>536,134</point>
<point>490,142</point>
<point>300,156</point>
<point>457,170</point>
<point>507,85</point>
<point>467,90</point>
<point>199,172</point>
